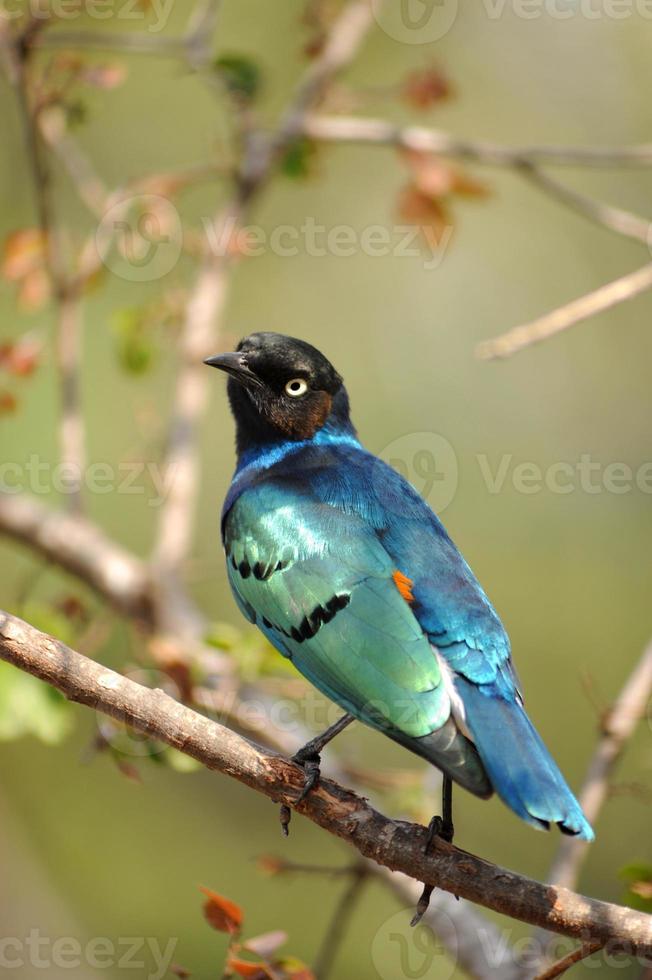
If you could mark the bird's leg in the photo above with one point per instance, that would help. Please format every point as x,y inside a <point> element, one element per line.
<point>308,757</point>
<point>443,826</point>
<point>438,827</point>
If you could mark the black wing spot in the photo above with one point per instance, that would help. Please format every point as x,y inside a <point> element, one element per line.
<point>311,624</point>
<point>244,568</point>
<point>338,602</point>
<point>261,572</point>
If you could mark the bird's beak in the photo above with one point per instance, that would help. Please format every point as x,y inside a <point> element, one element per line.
<point>234,364</point>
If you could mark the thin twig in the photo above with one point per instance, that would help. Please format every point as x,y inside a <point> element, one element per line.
<point>607,296</point>
<point>616,729</point>
<point>615,219</point>
<point>129,43</point>
<point>566,962</point>
<point>339,923</point>
<point>68,339</point>
<point>355,129</point>
<point>394,844</point>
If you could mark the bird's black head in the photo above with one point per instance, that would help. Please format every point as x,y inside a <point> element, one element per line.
<point>280,387</point>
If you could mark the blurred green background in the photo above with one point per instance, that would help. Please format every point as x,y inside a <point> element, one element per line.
<point>84,851</point>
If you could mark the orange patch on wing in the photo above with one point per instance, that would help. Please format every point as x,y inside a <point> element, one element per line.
<point>404,585</point>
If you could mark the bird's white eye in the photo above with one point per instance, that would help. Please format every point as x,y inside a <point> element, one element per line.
<point>296,387</point>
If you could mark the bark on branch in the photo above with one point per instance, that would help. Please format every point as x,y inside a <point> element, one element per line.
<point>394,844</point>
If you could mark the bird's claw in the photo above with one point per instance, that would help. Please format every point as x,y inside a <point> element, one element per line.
<point>310,763</point>
<point>438,827</point>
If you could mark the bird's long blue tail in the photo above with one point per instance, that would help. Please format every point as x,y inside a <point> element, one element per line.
<point>519,765</point>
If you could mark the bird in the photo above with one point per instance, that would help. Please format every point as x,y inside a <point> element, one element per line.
<point>351,576</point>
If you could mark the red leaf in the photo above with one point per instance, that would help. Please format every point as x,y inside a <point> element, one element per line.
<point>34,290</point>
<point>24,251</point>
<point>424,88</point>
<point>420,209</point>
<point>8,403</point>
<point>271,864</point>
<point>106,76</point>
<point>20,358</point>
<point>244,968</point>
<point>221,913</point>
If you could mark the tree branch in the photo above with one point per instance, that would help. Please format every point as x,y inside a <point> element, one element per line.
<point>565,963</point>
<point>611,294</point>
<point>79,546</point>
<point>394,844</point>
<point>68,337</point>
<point>356,129</point>
<point>615,219</point>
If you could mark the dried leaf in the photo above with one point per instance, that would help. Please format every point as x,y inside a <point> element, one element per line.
<point>423,88</point>
<point>266,944</point>
<point>34,291</point>
<point>21,358</point>
<point>24,251</point>
<point>180,971</point>
<point>105,76</point>
<point>8,403</point>
<point>254,971</point>
<point>429,213</point>
<point>270,864</point>
<point>221,913</point>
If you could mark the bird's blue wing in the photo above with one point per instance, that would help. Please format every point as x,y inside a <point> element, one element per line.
<point>321,585</point>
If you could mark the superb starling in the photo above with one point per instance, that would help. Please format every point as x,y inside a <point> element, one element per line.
<point>350,575</point>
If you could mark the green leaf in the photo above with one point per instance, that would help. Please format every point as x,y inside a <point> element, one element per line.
<point>298,160</point>
<point>638,877</point>
<point>240,74</point>
<point>133,346</point>
<point>28,706</point>
<point>180,762</point>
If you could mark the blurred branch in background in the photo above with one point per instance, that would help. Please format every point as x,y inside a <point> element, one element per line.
<point>396,845</point>
<point>604,298</point>
<point>617,727</point>
<point>201,327</point>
